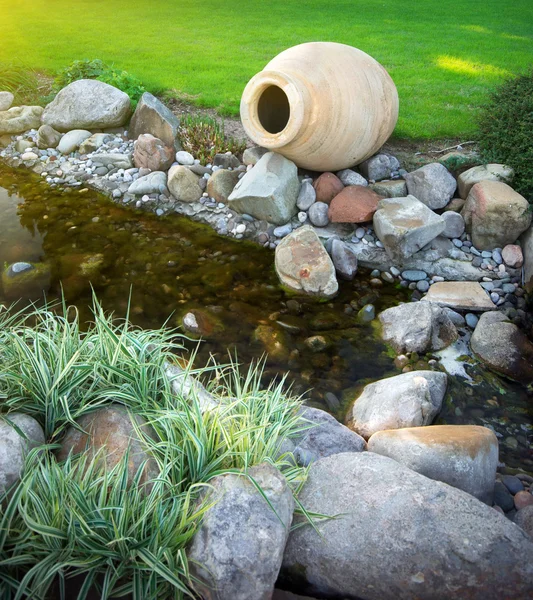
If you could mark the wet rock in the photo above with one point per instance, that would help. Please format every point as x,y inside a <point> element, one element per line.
<point>380,166</point>
<point>47,137</point>
<point>151,153</point>
<point>490,172</point>
<point>252,155</point>
<point>344,260</point>
<point>316,343</point>
<point>495,215</point>
<point>405,225</point>
<point>275,342</point>
<point>185,386</point>
<point>237,551</point>
<point>303,265</point>
<point>72,140</point>
<point>417,327</point>
<point>306,195</point>
<point>395,188</point>
<point>183,184</point>
<point>327,186</point>
<point>26,281</point>
<point>324,437</point>
<point>153,117</point>
<point>269,191</point>
<point>349,177</point>
<point>14,447</point>
<point>512,256</point>
<point>454,224</point>
<point>87,104</point>
<point>153,183</point>
<point>19,119</point>
<point>202,323</point>
<point>110,433</point>
<point>460,295</point>
<point>524,519</point>
<point>221,184</point>
<point>354,204</point>
<point>503,347</point>
<point>432,184</point>
<point>318,214</point>
<point>463,456</point>
<point>6,100</point>
<point>94,142</point>
<point>407,400</point>
<point>436,541</point>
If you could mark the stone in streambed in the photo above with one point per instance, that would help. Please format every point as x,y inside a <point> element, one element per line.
<point>460,295</point>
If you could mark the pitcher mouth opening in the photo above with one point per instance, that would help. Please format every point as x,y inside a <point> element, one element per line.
<point>273,109</point>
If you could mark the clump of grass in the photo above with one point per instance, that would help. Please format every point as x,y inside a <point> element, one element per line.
<point>76,523</point>
<point>204,137</point>
<point>29,87</point>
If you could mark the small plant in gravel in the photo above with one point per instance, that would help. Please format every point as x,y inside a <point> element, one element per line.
<point>505,126</point>
<point>204,137</point>
<point>29,87</point>
<point>75,525</point>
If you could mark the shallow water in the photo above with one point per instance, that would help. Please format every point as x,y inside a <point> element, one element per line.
<point>171,265</point>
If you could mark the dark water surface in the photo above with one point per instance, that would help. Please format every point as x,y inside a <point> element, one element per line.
<point>172,265</point>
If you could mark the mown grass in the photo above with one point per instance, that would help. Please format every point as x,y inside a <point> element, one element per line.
<point>443,54</point>
<point>76,522</point>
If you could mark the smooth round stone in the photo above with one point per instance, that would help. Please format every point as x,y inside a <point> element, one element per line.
<point>422,286</point>
<point>414,275</point>
<point>497,257</point>
<point>318,214</point>
<point>282,230</point>
<point>457,243</point>
<point>395,271</point>
<point>454,224</point>
<point>367,313</point>
<point>19,267</point>
<point>523,499</point>
<point>241,228</point>
<point>184,158</point>
<point>513,484</point>
<point>471,320</point>
<point>360,233</point>
<point>386,276</point>
<point>477,261</point>
<point>375,273</point>
<point>508,288</point>
<point>302,216</point>
<point>486,254</point>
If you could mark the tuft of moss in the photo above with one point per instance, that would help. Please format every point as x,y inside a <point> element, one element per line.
<point>505,130</point>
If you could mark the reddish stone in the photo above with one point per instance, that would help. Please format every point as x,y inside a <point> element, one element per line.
<point>327,186</point>
<point>522,499</point>
<point>512,256</point>
<point>355,204</point>
<point>151,153</point>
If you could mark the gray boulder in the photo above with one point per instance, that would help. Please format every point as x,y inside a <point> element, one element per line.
<point>432,184</point>
<point>87,104</point>
<point>318,214</point>
<point>395,188</point>
<point>14,447</point>
<point>252,155</point>
<point>464,456</point>
<point>454,224</point>
<point>303,265</point>
<point>152,116</point>
<point>269,191</point>
<point>237,551</point>
<point>407,400</point>
<point>19,119</point>
<point>380,166</point>
<point>153,183</point>
<point>6,100</point>
<point>47,137</point>
<point>490,172</point>
<point>325,436</point>
<point>72,140</point>
<point>417,327</point>
<point>114,161</point>
<point>405,225</point>
<point>503,347</point>
<point>399,535</point>
<point>344,259</point>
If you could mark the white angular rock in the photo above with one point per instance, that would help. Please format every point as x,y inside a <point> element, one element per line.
<point>490,172</point>
<point>407,400</point>
<point>464,456</point>
<point>405,225</point>
<point>269,191</point>
<point>417,327</point>
<point>72,140</point>
<point>401,536</point>
<point>238,549</point>
<point>87,104</point>
<point>303,265</point>
<point>432,184</point>
<point>460,295</point>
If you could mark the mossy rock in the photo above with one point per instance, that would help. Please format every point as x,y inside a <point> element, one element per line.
<point>459,161</point>
<point>200,323</point>
<point>25,280</point>
<point>275,341</point>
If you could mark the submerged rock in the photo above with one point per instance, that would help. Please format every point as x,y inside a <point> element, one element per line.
<point>460,295</point>
<point>26,280</point>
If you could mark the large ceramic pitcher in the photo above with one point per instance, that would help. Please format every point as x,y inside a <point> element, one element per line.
<point>326,106</point>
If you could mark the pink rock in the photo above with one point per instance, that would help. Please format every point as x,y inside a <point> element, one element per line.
<point>512,256</point>
<point>151,153</point>
<point>354,204</point>
<point>523,499</point>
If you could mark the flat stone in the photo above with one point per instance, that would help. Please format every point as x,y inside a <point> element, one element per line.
<point>20,119</point>
<point>303,265</point>
<point>72,140</point>
<point>354,204</point>
<point>114,160</point>
<point>464,456</point>
<point>268,191</point>
<point>184,385</point>
<point>405,225</point>
<point>153,117</point>
<point>395,188</point>
<point>432,184</point>
<point>460,295</point>
<point>490,172</point>
<point>414,275</point>
<point>408,400</point>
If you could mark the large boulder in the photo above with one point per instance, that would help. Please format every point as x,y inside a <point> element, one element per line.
<point>490,172</point>
<point>432,184</point>
<point>495,215</point>
<point>110,433</point>
<point>324,437</point>
<point>153,183</point>
<point>303,265</point>
<point>237,551</point>
<point>398,535</point>
<point>87,104</point>
<point>269,191</point>
<point>14,447</point>
<point>502,346</point>
<point>152,116</point>
<point>405,225</point>
<point>407,400</point>
<point>19,119</point>
<point>417,327</point>
<point>183,184</point>
<point>151,153</point>
<point>354,204</point>
<point>460,295</point>
<point>464,456</point>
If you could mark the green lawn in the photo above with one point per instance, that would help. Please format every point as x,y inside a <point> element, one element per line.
<point>443,54</point>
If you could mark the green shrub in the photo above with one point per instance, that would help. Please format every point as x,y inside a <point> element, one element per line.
<point>96,69</point>
<point>506,130</point>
